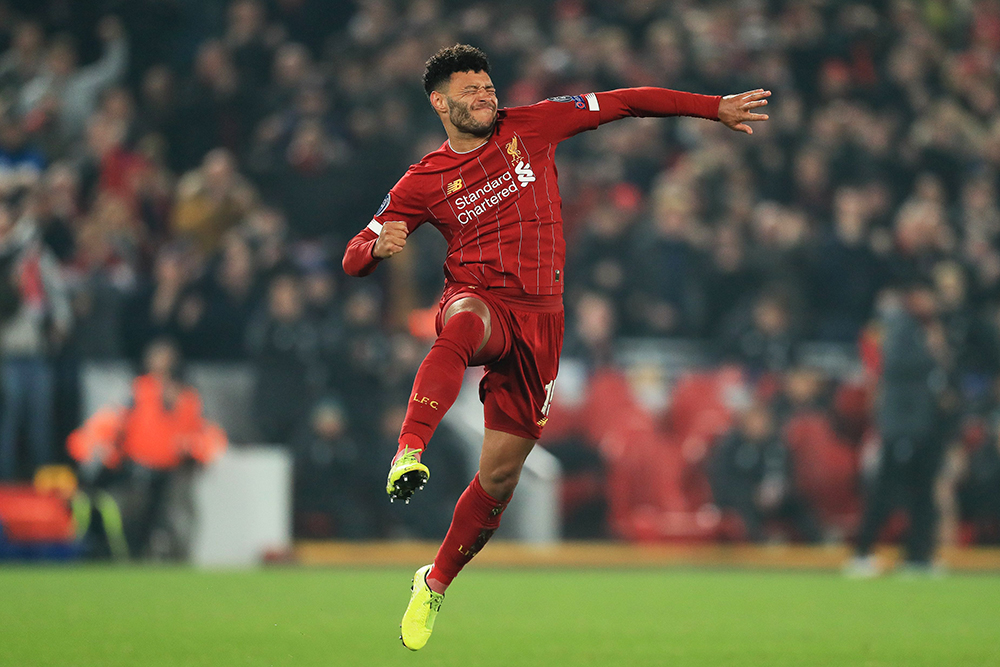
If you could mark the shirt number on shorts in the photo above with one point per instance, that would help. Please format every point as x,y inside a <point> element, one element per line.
<point>549,390</point>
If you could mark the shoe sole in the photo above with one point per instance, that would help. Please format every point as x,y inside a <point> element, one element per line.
<point>408,484</point>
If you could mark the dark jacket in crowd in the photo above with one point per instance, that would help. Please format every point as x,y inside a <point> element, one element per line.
<point>912,380</point>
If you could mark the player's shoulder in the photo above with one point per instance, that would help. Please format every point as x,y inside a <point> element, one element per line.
<point>435,162</point>
<point>549,106</point>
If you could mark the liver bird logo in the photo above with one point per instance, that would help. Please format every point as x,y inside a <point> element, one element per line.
<point>513,151</point>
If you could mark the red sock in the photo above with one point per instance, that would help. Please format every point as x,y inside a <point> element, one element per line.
<point>439,378</point>
<point>477,516</point>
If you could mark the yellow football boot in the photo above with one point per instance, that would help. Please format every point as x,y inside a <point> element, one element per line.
<point>406,475</point>
<point>418,620</point>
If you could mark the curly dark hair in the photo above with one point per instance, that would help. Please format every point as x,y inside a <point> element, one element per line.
<point>458,58</point>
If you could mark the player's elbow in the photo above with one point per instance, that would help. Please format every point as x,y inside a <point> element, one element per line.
<point>353,267</point>
<point>348,265</point>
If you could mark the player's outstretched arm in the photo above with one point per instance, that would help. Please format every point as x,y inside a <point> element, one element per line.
<point>735,111</point>
<point>366,250</point>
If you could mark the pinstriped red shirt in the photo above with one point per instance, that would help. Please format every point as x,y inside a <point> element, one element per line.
<point>498,206</point>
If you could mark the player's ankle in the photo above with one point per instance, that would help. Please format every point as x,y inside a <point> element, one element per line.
<point>436,585</point>
<point>411,442</point>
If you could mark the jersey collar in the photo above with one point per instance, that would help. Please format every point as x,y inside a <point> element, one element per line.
<point>472,150</point>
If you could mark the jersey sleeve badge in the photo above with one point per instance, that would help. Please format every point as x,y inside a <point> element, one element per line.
<point>384,205</point>
<point>577,100</point>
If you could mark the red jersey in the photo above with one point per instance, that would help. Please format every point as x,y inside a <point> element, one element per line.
<point>498,206</point>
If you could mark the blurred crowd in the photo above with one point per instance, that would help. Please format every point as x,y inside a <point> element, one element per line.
<point>193,170</point>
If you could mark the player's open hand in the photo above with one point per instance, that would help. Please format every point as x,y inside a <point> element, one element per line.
<point>736,110</point>
<point>391,239</point>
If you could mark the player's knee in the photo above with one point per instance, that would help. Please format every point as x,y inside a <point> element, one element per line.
<point>499,481</point>
<point>471,306</point>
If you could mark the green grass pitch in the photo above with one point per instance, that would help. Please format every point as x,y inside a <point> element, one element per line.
<point>106,617</point>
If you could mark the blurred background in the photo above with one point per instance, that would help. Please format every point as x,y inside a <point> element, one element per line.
<point>187,372</point>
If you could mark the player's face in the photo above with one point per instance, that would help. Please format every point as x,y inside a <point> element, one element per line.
<point>472,103</point>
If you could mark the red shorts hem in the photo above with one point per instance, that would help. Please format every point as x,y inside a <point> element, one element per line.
<point>511,428</point>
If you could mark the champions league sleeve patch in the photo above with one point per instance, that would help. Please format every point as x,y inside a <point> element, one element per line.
<point>384,205</point>
<point>577,100</point>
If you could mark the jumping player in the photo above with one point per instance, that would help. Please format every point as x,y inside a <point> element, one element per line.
<point>491,190</point>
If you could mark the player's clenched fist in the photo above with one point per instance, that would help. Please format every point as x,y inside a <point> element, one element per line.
<point>391,239</point>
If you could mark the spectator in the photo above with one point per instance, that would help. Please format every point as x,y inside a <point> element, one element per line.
<point>979,487</point>
<point>21,164</point>
<point>284,345</point>
<point>157,113</point>
<point>292,66</point>
<point>667,264</point>
<point>309,180</point>
<point>843,306</point>
<point>973,339</point>
<point>752,474</point>
<point>65,94</point>
<point>150,442</point>
<point>968,490</point>
<point>211,200</point>
<point>164,306</point>
<point>366,357</point>
<point>591,335</point>
<point>215,109</point>
<point>336,479</point>
<point>60,209</point>
<point>35,320</point>
<point>231,293</point>
<point>249,41</point>
<point>23,61</point>
<point>600,257</point>
<point>768,343</point>
<point>730,281</point>
<point>100,280</point>
<point>108,167</point>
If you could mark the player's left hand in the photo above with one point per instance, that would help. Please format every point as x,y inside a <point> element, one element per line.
<point>736,110</point>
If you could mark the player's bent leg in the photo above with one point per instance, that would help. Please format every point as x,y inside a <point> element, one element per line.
<point>466,331</point>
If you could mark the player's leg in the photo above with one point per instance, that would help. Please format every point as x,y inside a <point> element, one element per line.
<point>477,516</point>
<point>467,330</point>
<point>479,509</point>
<point>516,393</point>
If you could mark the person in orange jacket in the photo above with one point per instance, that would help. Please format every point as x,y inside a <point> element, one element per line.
<point>146,442</point>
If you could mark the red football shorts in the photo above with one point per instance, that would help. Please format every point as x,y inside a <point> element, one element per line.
<point>521,358</point>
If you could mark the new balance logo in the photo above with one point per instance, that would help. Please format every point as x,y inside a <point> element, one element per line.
<point>524,173</point>
<point>454,186</point>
